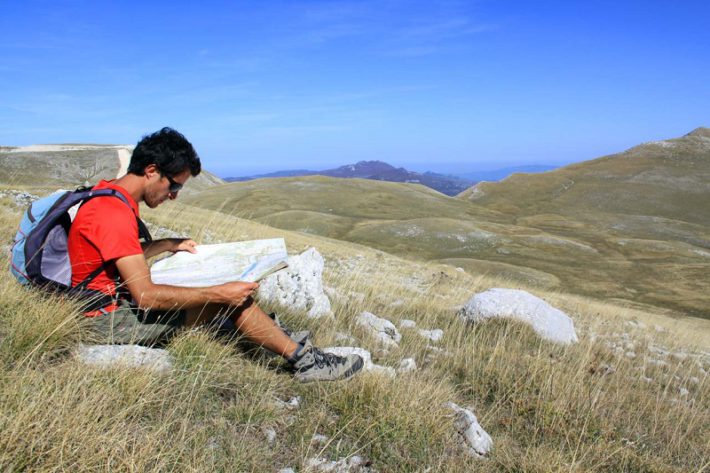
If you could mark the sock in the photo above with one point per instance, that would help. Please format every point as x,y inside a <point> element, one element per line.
<point>297,355</point>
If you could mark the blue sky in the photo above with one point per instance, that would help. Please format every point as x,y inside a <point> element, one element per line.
<point>445,86</point>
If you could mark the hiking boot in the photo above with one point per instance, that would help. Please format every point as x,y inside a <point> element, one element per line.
<point>300,337</point>
<point>312,364</point>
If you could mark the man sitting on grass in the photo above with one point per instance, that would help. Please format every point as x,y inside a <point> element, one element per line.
<point>105,234</point>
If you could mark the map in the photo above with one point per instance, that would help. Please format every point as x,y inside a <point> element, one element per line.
<point>224,262</point>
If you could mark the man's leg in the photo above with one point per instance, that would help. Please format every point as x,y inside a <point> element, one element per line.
<point>308,362</point>
<point>251,321</point>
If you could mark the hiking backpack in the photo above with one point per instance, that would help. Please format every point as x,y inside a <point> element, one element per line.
<point>39,253</point>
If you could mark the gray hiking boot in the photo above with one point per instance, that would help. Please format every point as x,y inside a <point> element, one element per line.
<point>312,364</point>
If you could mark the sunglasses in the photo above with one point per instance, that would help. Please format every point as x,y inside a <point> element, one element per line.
<point>174,186</point>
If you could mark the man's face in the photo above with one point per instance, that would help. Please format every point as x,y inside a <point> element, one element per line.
<point>158,189</point>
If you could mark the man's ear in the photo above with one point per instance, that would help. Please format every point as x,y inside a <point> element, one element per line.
<point>150,170</point>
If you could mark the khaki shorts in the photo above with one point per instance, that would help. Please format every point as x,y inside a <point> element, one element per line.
<point>130,325</point>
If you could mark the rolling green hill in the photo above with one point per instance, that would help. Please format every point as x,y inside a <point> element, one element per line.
<point>631,226</point>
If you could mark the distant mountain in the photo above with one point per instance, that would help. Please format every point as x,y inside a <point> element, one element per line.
<point>500,174</point>
<point>379,171</point>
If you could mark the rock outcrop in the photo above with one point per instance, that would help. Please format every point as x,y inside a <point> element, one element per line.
<point>300,286</point>
<point>548,322</point>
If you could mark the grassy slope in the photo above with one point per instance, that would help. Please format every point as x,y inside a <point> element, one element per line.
<point>547,408</point>
<point>581,229</point>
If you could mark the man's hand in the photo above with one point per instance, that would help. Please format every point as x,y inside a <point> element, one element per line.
<point>236,293</point>
<point>183,245</point>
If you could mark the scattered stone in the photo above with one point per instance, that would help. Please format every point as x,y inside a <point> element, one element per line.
<point>132,356</point>
<point>344,465</point>
<point>635,324</point>
<point>694,380</point>
<point>382,329</point>
<point>300,286</point>
<point>406,323</point>
<point>646,379</point>
<point>630,354</point>
<point>655,362</point>
<point>474,439</point>
<point>287,470</point>
<point>319,438</point>
<point>550,323</point>
<point>291,404</point>
<point>434,335</point>
<point>270,434</point>
<point>683,392</point>
<point>21,198</point>
<point>407,365</point>
<point>679,355</point>
<point>658,350</point>
<point>460,270</point>
<point>368,365</point>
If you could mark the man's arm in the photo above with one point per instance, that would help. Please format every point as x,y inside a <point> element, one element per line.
<point>136,274</point>
<point>155,247</point>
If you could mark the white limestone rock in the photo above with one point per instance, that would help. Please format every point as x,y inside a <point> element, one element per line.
<point>548,322</point>
<point>434,335</point>
<point>291,404</point>
<point>300,286</point>
<point>382,329</point>
<point>344,465</point>
<point>407,365</point>
<point>319,438</point>
<point>133,356</point>
<point>368,365</point>
<point>474,439</point>
<point>270,434</point>
<point>406,323</point>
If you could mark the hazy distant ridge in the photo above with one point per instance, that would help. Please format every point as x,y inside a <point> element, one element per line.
<point>379,171</point>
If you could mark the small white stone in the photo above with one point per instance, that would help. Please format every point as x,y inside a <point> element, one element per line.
<point>646,379</point>
<point>679,355</point>
<point>382,329</point>
<point>694,380</point>
<point>133,356</point>
<point>407,365</point>
<point>434,335</point>
<point>319,438</point>
<point>406,323</point>
<point>292,403</point>
<point>270,434</point>
<point>287,470</point>
<point>683,392</point>
<point>476,440</point>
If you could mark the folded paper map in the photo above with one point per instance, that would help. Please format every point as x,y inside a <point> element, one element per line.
<point>224,262</point>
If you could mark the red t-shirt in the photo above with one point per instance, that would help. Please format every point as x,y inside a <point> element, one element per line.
<point>104,229</point>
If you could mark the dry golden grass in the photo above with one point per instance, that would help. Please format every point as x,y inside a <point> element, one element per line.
<point>587,407</point>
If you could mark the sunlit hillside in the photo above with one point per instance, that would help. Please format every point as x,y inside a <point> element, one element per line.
<point>630,227</point>
<point>632,395</point>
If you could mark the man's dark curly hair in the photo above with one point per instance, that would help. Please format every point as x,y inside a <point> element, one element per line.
<point>169,150</point>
